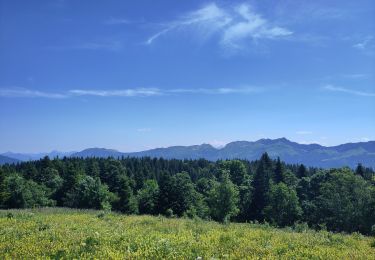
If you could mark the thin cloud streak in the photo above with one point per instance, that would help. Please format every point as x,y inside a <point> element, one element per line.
<point>117,21</point>
<point>217,91</point>
<point>207,20</point>
<point>144,130</point>
<point>136,92</point>
<point>349,91</point>
<point>141,92</point>
<point>160,92</point>
<point>234,25</point>
<point>26,93</point>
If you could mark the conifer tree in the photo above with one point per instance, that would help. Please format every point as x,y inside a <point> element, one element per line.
<point>261,184</point>
<point>278,176</point>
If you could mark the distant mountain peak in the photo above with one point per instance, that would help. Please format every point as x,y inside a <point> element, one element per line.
<point>349,154</point>
<point>272,141</point>
<point>5,159</point>
<point>207,146</point>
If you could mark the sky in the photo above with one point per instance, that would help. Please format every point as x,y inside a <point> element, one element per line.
<point>135,75</point>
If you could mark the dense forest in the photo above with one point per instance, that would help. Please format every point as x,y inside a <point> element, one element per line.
<point>265,190</point>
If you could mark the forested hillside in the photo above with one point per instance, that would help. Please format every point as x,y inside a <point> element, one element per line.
<point>231,190</point>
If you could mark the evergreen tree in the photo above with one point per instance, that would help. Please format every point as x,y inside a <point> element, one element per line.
<point>166,194</point>
<point>279,171</point>
<point>344,201</point>
<point>183,192</point>
<point>360,170</point>
<point>261,184</point>
<point>126,201</point>
<point>302,171</point>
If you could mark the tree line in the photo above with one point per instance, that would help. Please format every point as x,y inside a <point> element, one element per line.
<point>264,190</point>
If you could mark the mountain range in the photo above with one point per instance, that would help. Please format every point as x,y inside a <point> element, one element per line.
<point>5,159</point>
<point>349,154</point>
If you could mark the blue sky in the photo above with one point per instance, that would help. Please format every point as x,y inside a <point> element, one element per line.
<point>133,75</point>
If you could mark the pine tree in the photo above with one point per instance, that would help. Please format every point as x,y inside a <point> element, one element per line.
<point>127,202</point>
<point>302,171</point>
<point>261,184</point>
<point>278,176</point>
<point>360,170</point>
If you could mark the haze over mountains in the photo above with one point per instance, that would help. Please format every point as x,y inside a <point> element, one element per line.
<point>349,154</point>
<point>5,159</point>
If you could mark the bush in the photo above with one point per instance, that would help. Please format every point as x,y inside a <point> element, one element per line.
<point>300,227</point>
<point>169,213</point>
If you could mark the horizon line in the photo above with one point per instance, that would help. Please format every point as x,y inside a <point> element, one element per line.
<point>217,147</point>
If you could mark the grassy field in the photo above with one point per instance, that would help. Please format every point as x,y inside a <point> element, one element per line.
<point>66,234</point>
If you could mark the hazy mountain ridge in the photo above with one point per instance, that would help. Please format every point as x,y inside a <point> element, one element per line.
<point>349,154</point>
<point>97,152</point>
<point>35,156</point>
<point>5,159</point>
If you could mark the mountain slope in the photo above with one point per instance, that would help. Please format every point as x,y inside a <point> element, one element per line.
<point>181,152</point>
<point>98,152</point>
<point>349,154</point>
<point>6,159</point>
<point>290,152</point>
<point>35,156</point>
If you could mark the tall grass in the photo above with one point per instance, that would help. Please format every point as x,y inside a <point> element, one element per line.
<point>59,233</point>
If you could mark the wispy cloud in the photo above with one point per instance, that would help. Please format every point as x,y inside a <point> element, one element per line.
<point>206,20</point>
<point>117,21</point>
<point>233,25</point>
<point>159,92</point>
<point>26,93</point>
<point>217,91</point>
<point>349,91</point>
<point>141,92</point>
<point>144,130</point>
<point>251,25</point>
<point>355,76</point>
<point>366,45</point>
<point>304,132</point>
<point>134,92</point>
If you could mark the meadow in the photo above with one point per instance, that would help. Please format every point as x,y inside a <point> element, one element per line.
<point>59,233</point>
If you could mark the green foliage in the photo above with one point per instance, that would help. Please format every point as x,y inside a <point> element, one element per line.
<point>261,185</point>
<point>20,193</point>
<point>302,171</point>
<point>344,201</point>
<point>148,197</point>
<point>236,190</point>
<point>126,202</point>
<point>279,171</point>
<point>237,171</point>
<point>283,207</point>
<point>89,193</point>
<point>57,233</point>
<point>224,199</point>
